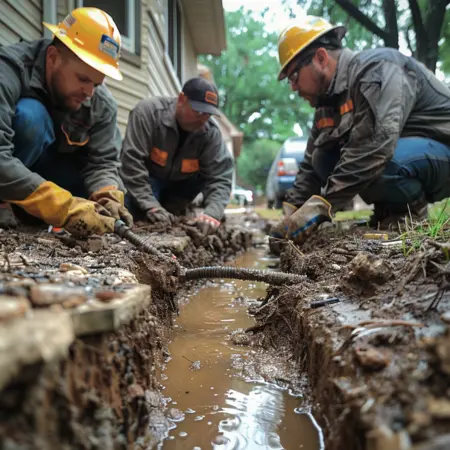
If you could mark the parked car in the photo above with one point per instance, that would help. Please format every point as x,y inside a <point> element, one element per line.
<point>242,196</point>
<point>284,169</point>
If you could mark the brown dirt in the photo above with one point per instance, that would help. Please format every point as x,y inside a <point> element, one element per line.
<point>105,395</point>
<point>387,385</point>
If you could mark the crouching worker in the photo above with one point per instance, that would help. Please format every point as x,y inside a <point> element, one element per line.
<point>59,142</point>
<point>381,130</point>
<point>172,151</point>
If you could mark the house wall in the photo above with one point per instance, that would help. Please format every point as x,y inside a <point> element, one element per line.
<point>20,20</point>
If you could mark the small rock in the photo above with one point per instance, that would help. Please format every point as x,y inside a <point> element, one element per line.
<point>445,317</point>
<point>107,296</point>
<point>240,338</point>
<point>371,358</point>
<point>175,415</point>
<point>96,243</point>
<point>340,259</point>
<point>336,267</point>
<point>73,303</point>
<point>66,267</point>
<point>196,365</point>
<point>13,307</point>
<point>49,294</point>
<point>439,407</point>
<point>368,267</point>
<point>135,390</point>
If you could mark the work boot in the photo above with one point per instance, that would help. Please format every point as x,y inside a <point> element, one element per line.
<point>7,216</point>
<point>386,217</point>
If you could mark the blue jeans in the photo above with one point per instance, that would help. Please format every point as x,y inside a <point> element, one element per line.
<point>174,196</point>
<point>418,171</point>
<point>36,143</point>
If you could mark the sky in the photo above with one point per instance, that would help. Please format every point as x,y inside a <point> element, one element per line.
<point>277,17</point>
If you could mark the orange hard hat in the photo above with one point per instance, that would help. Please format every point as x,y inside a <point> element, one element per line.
<point>94,37</point>
<point>296,38</point>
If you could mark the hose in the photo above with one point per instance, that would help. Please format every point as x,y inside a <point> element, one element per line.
<point>266,276</point>
<point>275,278</point>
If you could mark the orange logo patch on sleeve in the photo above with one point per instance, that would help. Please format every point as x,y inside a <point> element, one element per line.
<point>346,107</point>
<point>190,166</point>
<point>211,97</point>
<point>325,122</point>
<point>159,156</point>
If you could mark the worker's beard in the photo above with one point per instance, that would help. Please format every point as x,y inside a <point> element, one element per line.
<point>61,101</point>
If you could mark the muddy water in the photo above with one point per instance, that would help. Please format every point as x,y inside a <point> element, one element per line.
<point>211,403</point>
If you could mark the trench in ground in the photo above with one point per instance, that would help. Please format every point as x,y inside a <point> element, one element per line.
<point>213,401</point>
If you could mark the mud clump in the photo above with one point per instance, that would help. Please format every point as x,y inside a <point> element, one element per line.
<point>368,267</point>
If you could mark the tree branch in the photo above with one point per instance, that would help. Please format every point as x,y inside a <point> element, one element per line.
<point>390,16</point>
<point>417,22</point>
<point>351,9</point>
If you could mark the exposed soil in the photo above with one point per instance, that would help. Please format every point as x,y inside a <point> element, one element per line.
<point>104,395</point>
<point>377,355</point>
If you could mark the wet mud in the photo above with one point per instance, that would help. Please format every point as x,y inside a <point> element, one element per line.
<point>104,393</point>
<point>222,392</point>
<point>376,350</point>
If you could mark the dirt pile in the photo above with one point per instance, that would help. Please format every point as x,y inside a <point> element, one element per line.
<point>377,350</point>
<point>104,394</point>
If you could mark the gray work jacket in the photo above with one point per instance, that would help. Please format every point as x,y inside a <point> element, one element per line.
<point>94,125</point>
<point>376,97</point>
<point>150,147</point>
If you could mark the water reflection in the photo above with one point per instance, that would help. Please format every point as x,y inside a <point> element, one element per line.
<point>219,409</point>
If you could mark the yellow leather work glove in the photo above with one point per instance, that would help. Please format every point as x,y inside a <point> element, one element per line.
<point>279,230</point>
<point>307,218</point>
<point>113,200</point>
<point>85,218</point>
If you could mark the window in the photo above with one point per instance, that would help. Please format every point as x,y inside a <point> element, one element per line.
<point>174,30</point>
<point>126,15</point>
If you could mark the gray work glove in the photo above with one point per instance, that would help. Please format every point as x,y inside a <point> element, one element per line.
<point>160,215</point>
<point>207,224</point>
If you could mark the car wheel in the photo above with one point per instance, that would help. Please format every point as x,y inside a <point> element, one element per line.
<point>270,204</point>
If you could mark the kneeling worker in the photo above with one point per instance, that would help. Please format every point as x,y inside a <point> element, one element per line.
<point>381,130</point>
<point>172,151</point>
<point>59,142</point>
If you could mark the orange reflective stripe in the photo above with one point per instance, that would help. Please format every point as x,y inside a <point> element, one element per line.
<point>190,166</point>
<point>76,144</point>
<point>159,156</point>
<point>325,122</point>
<point>346,107</point>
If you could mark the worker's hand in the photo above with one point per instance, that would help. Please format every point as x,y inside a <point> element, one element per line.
<point>207,224</point>
<point>279,230</point>
<point>86,217</point>
<point>113,200</point>
<point>307,218</point>
<point>160,215</point>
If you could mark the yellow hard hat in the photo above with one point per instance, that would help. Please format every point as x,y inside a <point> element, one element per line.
<point>296,38</point>
<point>94,37</point>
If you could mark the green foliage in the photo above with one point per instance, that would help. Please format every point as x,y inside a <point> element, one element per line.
<point>246,76</point>
<point>360,38</point>
<point>436,227</point>
<point>255,160</point>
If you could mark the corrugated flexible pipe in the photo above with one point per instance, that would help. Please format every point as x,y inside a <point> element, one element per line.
<point>266,276</point>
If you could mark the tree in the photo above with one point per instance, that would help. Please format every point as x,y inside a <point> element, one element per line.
<point>246,76</point>
<point>255,160</point>
<point>421,24</point>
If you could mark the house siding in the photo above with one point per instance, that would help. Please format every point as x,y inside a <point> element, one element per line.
<point>20,20</point>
